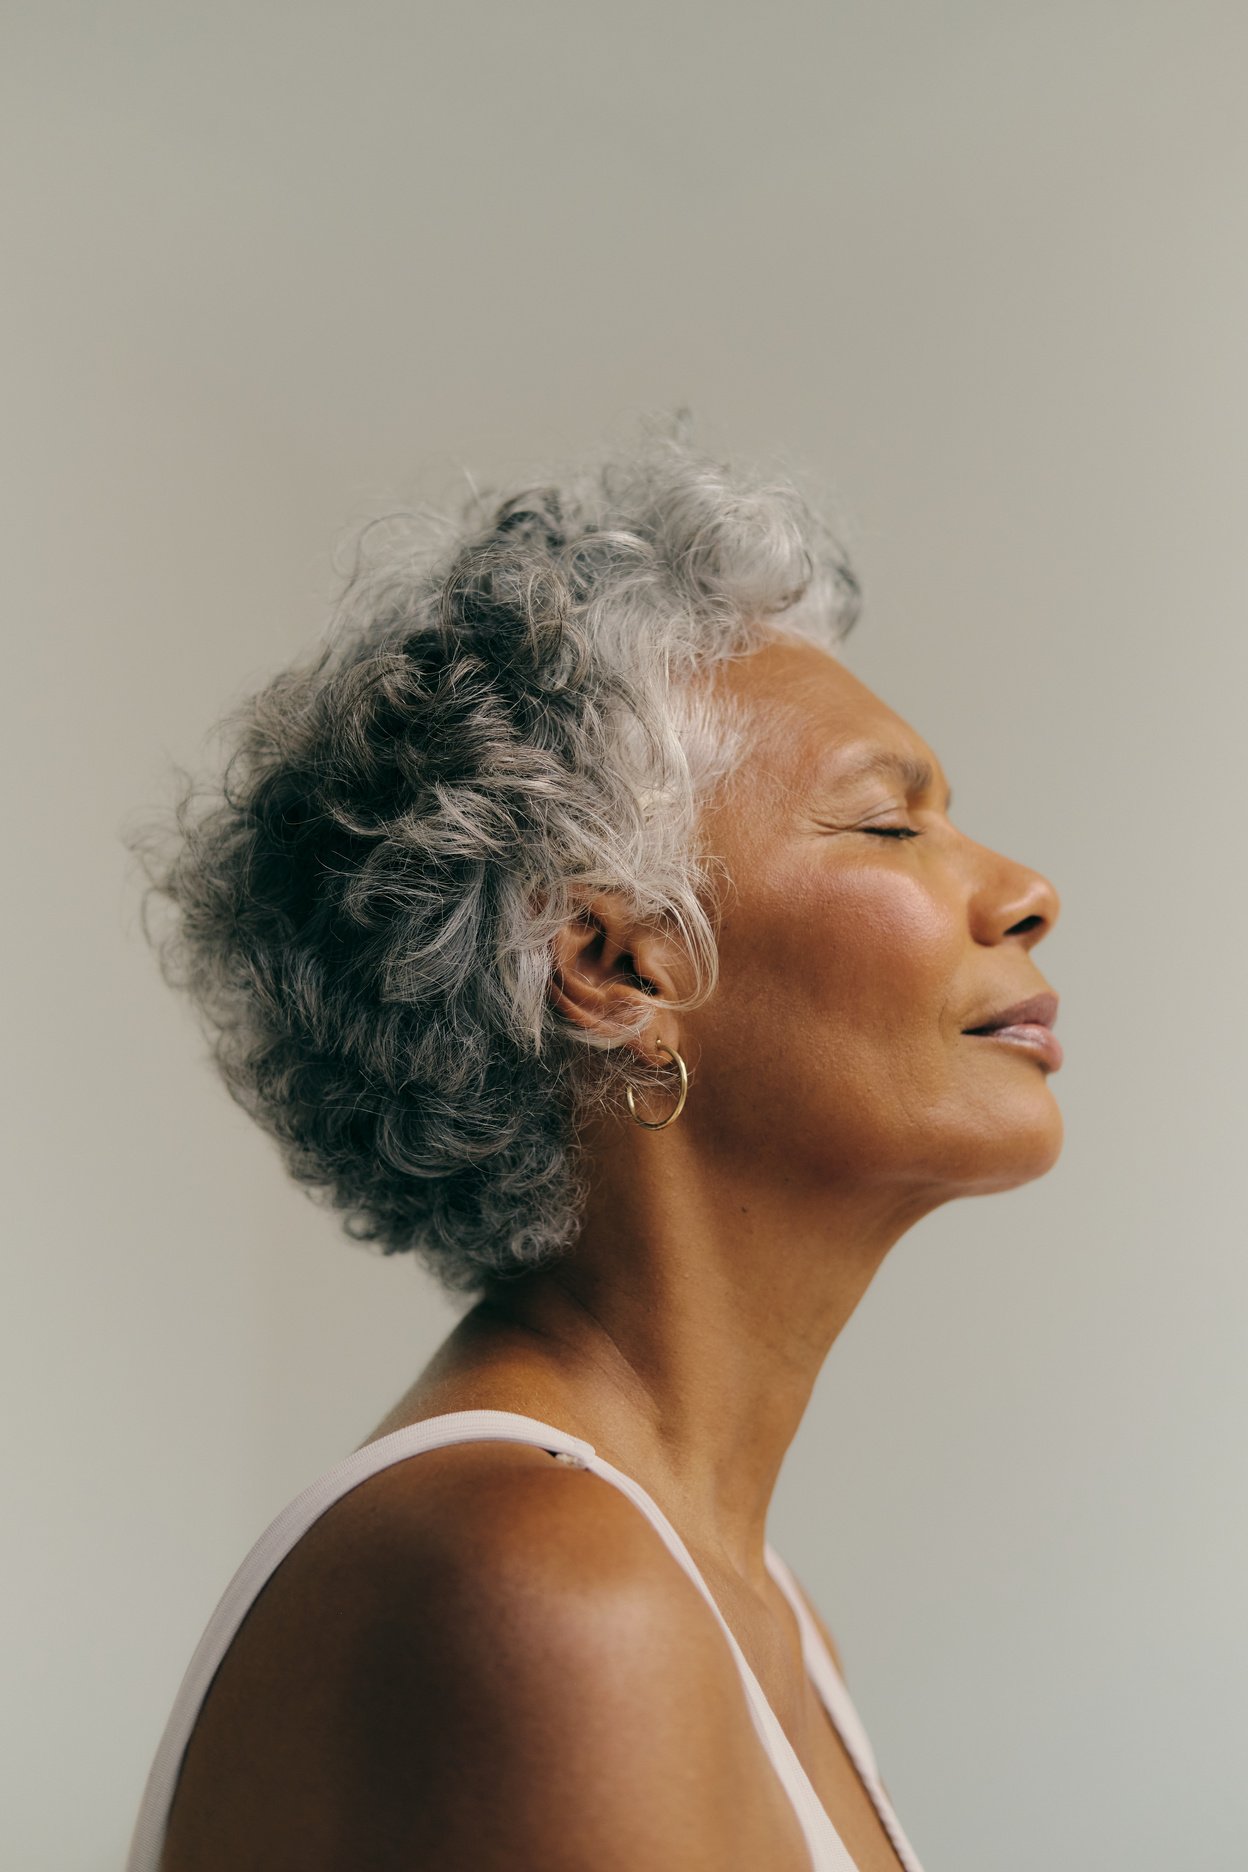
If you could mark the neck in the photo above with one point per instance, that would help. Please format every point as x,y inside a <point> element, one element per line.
<point>683,1333</point>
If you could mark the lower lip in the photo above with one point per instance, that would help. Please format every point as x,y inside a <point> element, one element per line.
<point>1041,1041</point>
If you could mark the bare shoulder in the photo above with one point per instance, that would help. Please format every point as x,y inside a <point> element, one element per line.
<point>478,1658</point>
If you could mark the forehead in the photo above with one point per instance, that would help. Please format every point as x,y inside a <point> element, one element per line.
<point>811,717</point>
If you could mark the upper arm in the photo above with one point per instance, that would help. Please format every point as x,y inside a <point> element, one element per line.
<point>518,1679</point>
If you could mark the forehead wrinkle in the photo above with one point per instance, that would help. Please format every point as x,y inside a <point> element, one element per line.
<point>914,770</point>
<point>795,753</point>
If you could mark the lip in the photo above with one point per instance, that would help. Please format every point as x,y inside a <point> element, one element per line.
<point>1027,1025</point>
<point>1039,1010</point>
<point>1028,1037</point>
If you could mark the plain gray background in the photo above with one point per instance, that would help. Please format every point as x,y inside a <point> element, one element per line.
<point>981,272</point>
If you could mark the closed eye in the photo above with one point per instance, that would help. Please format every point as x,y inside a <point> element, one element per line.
<point>892,831</point>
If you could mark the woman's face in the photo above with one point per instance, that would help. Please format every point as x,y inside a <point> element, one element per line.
<point>863,933</point>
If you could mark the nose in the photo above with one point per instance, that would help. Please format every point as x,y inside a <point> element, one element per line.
<point>1014,900</point>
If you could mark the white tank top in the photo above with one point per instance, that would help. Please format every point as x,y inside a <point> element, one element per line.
<point>827,1851</point>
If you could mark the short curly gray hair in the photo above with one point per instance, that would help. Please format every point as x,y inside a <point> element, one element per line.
<point>501,720</point>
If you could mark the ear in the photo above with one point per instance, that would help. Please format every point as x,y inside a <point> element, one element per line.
<point>605,965</point>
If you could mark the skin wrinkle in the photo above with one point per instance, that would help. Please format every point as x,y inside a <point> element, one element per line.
<point>524,663</point>
<point>834,1100</point>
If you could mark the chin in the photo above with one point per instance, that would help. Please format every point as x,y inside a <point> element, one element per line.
<point>1022,1144</point>
<point>1031,1152</point>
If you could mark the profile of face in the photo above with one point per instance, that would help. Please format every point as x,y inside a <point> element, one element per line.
<point>861,936</point>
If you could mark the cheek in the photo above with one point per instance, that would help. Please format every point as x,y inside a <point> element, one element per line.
<point>827,1025</point>
<point>839,1037</point>
<point>865,951</point>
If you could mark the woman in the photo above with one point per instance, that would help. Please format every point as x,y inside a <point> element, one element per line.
<point>578,920</point>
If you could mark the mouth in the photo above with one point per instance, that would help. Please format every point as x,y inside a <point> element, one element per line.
<point>1027,1026</point>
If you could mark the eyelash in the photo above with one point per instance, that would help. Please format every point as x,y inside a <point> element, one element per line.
<point>893,831</point>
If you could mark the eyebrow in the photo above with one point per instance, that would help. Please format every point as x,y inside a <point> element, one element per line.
<point>917,773</point>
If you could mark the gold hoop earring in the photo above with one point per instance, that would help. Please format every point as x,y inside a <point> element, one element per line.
<point>658,1123</point>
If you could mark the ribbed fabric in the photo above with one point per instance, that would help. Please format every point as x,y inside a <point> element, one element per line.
<point>827,1852</point>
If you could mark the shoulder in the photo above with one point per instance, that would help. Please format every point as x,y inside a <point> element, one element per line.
<point>501,1566</point>
<point>477,1543</point>
<point>479,1527</point>
<point>483,1658</point>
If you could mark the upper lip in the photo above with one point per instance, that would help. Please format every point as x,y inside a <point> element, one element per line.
<point>1039,1010</point>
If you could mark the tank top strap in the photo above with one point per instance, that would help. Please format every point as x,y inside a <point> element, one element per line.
<point>271,1549</point>
<point>824,1843</point>
<point>821,1667</point>
<point>827,1851</point>
<point>827,1679</point>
